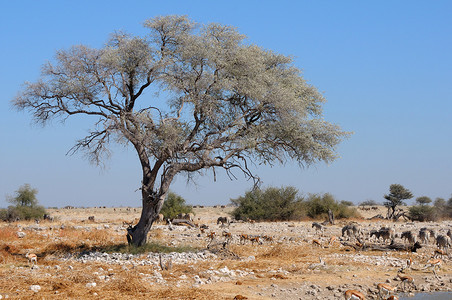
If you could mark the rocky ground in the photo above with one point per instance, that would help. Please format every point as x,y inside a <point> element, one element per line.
<point>289,267</point>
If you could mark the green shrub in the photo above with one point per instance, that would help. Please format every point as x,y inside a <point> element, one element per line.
<point>422,213</point>
<point>271,204</point>
<point>26,205</point>
<point>317,206</point>
<point>174,205</point>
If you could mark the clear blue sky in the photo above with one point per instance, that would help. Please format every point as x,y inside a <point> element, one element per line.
<point>384,67</point>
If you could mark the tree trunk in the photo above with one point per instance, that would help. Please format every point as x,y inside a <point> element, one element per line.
<point>137,235</point>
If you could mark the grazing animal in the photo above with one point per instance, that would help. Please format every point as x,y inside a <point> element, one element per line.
<point>267,238</point>
<point>409,237</point>
<point>386,234</point>
<point>439,253</point>
<point>424,235</point>
<point>91,218</point>
<point>244,238</point>
<point>332,240</point>
<point>317,243</point>
<point>254,239</point>
<point>385,289</point>
<point>354,295</point>
<point>392,297</point>
<point>318,227</point>
<point>32,258</point>
<point>351,230</point>
<point>406,280</point>
<point>223,220</point>
<point>443,242</point>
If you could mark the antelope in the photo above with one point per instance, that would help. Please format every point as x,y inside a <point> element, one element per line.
<point>243,238</point>
<point>332,240</point>
<point>354,295</point>
<point>254,239</point>
<point>406,279</point>
<point>385,289</point>
<point>439,252</point>
<point>210,237</point>
<point>268,238</point>
<point>32,258</point>
<point>317,243</point>
<point>433,263</point>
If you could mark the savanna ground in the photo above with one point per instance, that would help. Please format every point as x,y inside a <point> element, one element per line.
<point>285,268</point>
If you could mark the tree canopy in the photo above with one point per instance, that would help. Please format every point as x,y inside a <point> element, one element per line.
<point>187,97</point>
<point>25,196</point>
<point>397,194</point>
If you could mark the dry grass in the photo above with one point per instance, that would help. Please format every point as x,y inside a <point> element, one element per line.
<point>60,279</point>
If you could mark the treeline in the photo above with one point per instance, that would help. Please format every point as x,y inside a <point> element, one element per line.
<point>285,204</point>
<point>425,211</point>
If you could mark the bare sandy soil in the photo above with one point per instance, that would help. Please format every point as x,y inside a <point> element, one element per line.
<point>291,266</point>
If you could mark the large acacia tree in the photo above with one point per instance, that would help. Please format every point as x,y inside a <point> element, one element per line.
<point>187,98</point>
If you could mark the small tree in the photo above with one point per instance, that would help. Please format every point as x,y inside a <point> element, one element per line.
<point>317,205</point>
<point>424,200</point>
<point>25,196</point>
<point>174,205</point>
<point>25,205</point>
<point>397,193</point>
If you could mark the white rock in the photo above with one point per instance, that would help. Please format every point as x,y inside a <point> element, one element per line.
<point>20,234</point>
<point>35,288</point>
<point>91,284</point>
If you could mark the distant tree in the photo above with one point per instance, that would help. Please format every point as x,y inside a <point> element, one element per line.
<point>397,194</point>
<point>187,98</point>
<point>174,205</point>
<point>25,196</point>
<point>347,203</point>
<point>318,205</point>
<point>25,205</point>
<point>368,203</point>
<point>424,200</point>
<point>439,203</point>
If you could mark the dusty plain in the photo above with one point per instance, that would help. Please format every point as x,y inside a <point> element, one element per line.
<point>75,261</point>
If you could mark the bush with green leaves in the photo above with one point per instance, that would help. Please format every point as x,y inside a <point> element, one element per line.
<point>317,206</point>
<point>270,204</point>
<point>26,205</point>
<point>422,213</point>
<point>369,203</point>
<point>174,205</point>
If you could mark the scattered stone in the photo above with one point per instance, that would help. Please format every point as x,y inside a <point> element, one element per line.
<point>21,234</point>
<point>35,288</point>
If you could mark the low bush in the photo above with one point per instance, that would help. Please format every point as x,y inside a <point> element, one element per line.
<point>422,213</point>
<point>271,204</point>
<point>317,206</point>
<point>174,205</point>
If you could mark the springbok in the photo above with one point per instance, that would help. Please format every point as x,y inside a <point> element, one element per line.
<point>433,264</point>
<point>32,258</point>
<point>439,253</point>
<point>406,280</point>
<point>354,295</point>
<point>385,289</point>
